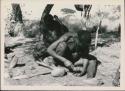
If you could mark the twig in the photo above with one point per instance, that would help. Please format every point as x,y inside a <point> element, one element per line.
<point>96,38</point>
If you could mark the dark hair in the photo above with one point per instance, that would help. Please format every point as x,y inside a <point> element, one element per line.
<point>84,37</point>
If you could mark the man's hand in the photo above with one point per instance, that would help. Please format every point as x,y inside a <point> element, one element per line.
<point>67,63</point>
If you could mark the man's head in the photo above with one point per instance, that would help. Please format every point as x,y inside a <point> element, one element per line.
<point>84,38</point>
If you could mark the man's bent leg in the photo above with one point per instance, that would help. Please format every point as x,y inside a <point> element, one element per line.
<point>91,69</point>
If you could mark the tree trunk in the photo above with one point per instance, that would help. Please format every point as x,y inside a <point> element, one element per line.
<point>17,13</point>
<point>16,24</point>
<point>42,22</point>
<point>46,10</point>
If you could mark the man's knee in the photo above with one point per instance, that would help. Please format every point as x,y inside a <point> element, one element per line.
<point>92,62</point>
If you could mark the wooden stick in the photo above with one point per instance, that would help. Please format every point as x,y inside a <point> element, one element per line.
<point>96,38</point>
<point>29,76</point>
<point>44,65</point>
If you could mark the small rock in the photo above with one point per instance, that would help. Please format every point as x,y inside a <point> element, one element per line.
<point>49,61</point>
<point>58,72</point>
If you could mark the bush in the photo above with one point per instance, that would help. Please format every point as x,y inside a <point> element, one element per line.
<point>31,29</point>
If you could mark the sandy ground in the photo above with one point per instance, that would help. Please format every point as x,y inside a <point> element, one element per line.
<point>108,56</point>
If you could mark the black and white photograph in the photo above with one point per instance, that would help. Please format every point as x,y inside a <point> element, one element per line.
<point>61,44</point>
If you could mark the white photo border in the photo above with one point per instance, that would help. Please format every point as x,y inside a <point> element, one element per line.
<point>122,60</point>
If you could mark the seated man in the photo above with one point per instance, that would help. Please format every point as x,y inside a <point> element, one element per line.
<point>72,51</point>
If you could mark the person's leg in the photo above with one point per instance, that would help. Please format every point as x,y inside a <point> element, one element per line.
<point>91,69</point>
